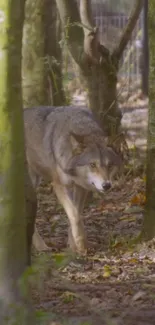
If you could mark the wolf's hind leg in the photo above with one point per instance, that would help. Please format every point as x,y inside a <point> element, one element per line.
<point>35,178</point>
<point>37,240</point>
<point>71,203</point>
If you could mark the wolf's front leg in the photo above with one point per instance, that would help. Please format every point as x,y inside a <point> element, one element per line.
<point>72,203</point>
<point>79,196</point>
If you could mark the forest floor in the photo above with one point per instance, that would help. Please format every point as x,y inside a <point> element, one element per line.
<point>115,283</point>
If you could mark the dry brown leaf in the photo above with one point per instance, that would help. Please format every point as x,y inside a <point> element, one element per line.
<point>117,244</point>
<point>133,260</point>
<point>139,199</point>
<point>127,218</point>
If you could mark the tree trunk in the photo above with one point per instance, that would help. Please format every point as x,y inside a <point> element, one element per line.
<point>13,256</point>
<point>53,54</point>
<point>98,66</point>
<point>145,51</point>
<point>149,219</point>
<point>42,69</point>
<point>33,65</point>
<point>42,78</point>
<point>101,82</point>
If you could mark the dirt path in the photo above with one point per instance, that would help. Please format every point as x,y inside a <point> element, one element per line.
<point>115,283</point>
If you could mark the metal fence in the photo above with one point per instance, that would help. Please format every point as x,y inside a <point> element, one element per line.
<point>110,29</point>
<point>111,24</point>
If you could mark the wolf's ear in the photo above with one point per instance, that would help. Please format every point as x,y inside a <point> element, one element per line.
<point>119,145</point>
<point>77,142</point>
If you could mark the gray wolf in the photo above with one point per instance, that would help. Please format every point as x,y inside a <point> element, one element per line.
<point>67,146</point>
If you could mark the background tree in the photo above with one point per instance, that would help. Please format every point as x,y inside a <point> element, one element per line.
<point>145,52</point>
<point>53,54</point>
<point>42,72</point>
<point>98,66</point>
<point>13,247</point>
<point>42,76</point>
<point>149,220</point>
<point>33,68</point>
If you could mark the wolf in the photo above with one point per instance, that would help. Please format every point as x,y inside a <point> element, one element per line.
<point>67,146</point>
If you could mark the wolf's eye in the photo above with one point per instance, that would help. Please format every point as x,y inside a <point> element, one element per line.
<point>92,165</point>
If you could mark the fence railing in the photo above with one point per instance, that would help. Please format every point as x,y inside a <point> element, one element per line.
<point>110,29</point>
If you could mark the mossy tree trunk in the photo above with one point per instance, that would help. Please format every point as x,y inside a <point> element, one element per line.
<point>13,247</point>
<point>42,75</point>
<point>98,66</point>
<point>149,220</point>
<point>33,64</point>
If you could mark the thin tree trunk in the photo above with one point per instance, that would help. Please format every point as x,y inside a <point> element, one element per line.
<point>33,64</point>
<point>149,220</point>
<point>53,54</point>
<point>42,64</point>
<point>42,77</point>
<point>102,95</point>
<point>145,51</point>
<point>13,248</point>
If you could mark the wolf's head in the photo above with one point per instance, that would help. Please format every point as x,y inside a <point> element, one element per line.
<point>93,166</point>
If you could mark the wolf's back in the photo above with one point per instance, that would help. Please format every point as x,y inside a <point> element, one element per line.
<point>36,117</point>
<point>63,119</point>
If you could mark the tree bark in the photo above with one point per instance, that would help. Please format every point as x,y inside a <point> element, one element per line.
<point>98,66</point>
<point>149,219</point>
<point>145,51</point>
<point>42,69</point>
<point>33,64</point>
<point>13,246</point>
<point>53,54</point>
<point>42,78</point>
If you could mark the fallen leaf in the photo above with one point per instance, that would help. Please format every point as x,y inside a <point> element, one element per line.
<point>129,292</point>
<point>127,218</point>
<point>107,271</point>
<point>68,296</point>
<point>117,244</point>
<point>139,199</point>
<point>107,274</point>
<point>133,209</point>
<point>133,260</point>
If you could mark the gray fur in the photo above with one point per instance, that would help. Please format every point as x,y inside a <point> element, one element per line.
<point>62,144</point>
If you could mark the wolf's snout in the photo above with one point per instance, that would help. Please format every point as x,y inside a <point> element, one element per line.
<point>106,186</point>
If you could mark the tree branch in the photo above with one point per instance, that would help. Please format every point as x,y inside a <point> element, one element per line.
<point>91,39</point>
<point>70,19</point>
<point>118,51</point>
<point>86,13</point>
<point>81,34</point>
